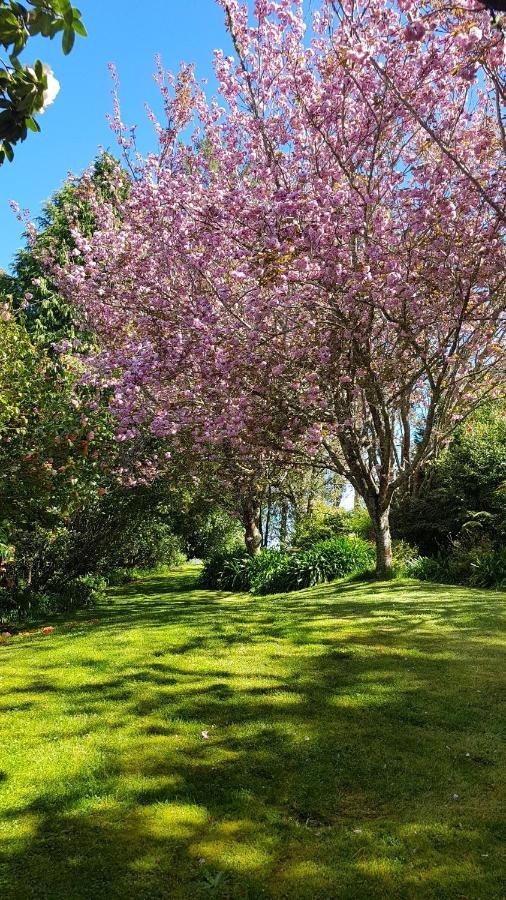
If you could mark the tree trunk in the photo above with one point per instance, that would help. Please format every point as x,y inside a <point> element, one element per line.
<point>268,517</point>
<point>283,525</point>
<point>384,559</point>
<point>251,508</point>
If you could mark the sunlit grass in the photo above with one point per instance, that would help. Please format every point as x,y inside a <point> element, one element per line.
<point>343,741</point>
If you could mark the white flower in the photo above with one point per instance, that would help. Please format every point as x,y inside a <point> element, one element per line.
<point>52,89</point>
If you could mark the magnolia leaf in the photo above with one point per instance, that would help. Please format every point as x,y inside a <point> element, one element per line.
<point>32,124</point>
<point>68,40</point>
<point>79,28</point>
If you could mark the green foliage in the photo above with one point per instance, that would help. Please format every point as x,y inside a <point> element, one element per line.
<point>52,443</point>
<point>427,568</point>
<point>145,542</point>
<point>120,577</point>
<point>57,453</point>
<point>322,562</point>
<point>275,571</point>
<point>126,528</point>
<point>56,446</point>
<point>59,595</point>
<point>227,570</point>
<point>358,521</point>
<point>23,89</point>
<point>265,567</point>
<point>479,566</point>
<point>489,569</point>
<point>159,547</point>
<point>323,523</point>
<point>76,593</point>
<point>463,494</point>
<point>204,528</point>
<point>48,318</point>
<point>405,556</point>
<point>457,516</point>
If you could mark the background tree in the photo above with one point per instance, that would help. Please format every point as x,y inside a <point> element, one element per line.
<point>51,443</point>
<point>463,492</point>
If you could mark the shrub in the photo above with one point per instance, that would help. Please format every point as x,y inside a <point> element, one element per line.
<point>358,521</point>
<point>405,557</point>
<point>480,565</point>
<point>76,593</point>
<point>145,543</point>
<point>274,571</point>
<point>427,568</point>
<point>323,562</point>
<point>476,566</point>
<point>205,529</point>
<point>119,577</point>
<point>271,567</point>
<point>227,571</point>
<point>59,595</point>
<point>489,569</point>
<point>17,603</point>
<point>461,491</point>
<point>322,524</point>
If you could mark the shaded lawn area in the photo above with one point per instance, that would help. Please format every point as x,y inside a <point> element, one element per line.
<point>354,746</point>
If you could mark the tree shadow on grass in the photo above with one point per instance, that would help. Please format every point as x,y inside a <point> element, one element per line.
<point>298,757</point>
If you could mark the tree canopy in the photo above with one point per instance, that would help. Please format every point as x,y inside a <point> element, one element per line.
<point>320,267</point>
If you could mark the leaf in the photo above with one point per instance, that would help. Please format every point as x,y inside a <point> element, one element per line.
<point>68,40</point>
<point>61,6</point>
<point>79,28</point>
<point>32,124</point>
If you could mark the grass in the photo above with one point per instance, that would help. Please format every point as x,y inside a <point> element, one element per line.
<point>353,749</point>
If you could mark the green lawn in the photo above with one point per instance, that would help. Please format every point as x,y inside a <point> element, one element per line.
<point>354,746</point>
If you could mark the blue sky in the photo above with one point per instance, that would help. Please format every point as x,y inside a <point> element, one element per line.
<point>129,35</point>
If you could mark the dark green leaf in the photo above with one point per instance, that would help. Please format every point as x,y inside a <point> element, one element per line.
<point>68,40</point>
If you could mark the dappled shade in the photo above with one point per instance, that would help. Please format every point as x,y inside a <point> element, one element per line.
<point>353,746</point>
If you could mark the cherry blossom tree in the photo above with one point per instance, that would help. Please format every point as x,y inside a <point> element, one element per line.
<point>321,264</point>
